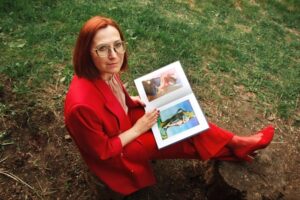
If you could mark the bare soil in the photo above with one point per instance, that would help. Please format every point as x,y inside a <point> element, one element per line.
<point>39,161</point>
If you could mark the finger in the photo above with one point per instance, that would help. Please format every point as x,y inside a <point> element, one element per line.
<point>154,118</point>
<point>155,112</point>
<point>150,114</point>
<point>153,122</point>
<point>154,115</point>
<point>142,103</point>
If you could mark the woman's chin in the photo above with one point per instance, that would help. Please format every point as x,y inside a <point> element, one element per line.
<point>117,70</point>
<point>113,70</point>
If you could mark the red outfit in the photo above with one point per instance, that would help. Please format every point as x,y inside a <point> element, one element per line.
<point>94,118</point>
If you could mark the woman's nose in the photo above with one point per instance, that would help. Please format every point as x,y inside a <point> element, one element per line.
<point>112,53</point>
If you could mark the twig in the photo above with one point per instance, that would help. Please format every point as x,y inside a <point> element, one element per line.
<point>3,159</point>
<point>6,143</point>
<point>15,178</point>
<point>278,142</point>
<point>44,191</point>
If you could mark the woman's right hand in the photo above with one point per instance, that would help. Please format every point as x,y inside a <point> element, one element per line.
<point>146,122</point>
<point>142,125</point>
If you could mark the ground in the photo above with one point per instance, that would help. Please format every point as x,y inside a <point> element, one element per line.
<point>38,160</point>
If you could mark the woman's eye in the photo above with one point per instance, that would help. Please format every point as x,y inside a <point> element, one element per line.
<point>118,45</point>
<point>102,48</point>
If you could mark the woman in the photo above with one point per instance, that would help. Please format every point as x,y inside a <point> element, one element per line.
<point>111,129</point>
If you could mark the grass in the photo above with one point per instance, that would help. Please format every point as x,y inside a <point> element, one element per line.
<point>250,43</point>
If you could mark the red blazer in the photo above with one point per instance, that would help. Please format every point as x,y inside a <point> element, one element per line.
<point>94,118</point>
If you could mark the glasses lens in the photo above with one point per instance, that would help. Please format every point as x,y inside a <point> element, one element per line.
<point>119,47</point>
<point>102,50</point>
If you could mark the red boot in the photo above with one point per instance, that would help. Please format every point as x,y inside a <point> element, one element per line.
<point>246,152</point>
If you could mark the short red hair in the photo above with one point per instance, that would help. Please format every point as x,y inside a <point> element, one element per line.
<point>82,60</point>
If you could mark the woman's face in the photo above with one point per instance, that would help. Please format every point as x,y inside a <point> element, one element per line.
<point>110,54</point>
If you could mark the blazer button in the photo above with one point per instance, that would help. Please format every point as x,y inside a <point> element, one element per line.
<point>122,154</point>
<point>132,171</point>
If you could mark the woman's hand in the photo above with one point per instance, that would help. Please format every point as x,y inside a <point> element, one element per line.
<point>138,100</point>
<point>146,122</point>
<point>142,125</point>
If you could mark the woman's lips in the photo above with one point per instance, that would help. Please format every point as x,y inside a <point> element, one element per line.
<point>111,64</point>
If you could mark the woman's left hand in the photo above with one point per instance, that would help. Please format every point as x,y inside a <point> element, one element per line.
<point>138,100</point>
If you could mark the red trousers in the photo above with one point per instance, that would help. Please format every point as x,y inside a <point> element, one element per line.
<point>207,145</point>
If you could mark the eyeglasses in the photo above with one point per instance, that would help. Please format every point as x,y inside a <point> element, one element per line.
<point>103,50</point>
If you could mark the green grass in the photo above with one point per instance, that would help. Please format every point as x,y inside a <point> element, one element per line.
<point>222,43</point>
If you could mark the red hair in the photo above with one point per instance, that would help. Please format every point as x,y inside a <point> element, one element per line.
<point>82,60</point>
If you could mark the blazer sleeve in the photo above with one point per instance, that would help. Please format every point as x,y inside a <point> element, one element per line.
<point>86,129</point>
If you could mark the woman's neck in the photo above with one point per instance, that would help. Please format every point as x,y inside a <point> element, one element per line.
<point>107,76</point>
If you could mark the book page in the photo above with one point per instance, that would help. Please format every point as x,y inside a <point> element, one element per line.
<point>179,120</point>
<point>163,86</point>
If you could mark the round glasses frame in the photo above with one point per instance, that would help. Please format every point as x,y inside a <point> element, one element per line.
<point>108,49</point>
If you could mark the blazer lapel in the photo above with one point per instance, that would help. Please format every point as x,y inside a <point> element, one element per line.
<point>112,104</point>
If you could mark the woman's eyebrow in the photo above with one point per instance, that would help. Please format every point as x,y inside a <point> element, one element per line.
<point>106,43</point>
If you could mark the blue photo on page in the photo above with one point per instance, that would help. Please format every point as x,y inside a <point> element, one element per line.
<point>177,119</point>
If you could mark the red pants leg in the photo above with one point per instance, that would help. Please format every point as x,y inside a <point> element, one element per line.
<point>204,146</point>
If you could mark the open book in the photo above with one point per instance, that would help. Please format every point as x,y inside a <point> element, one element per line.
<point>168,90</point>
